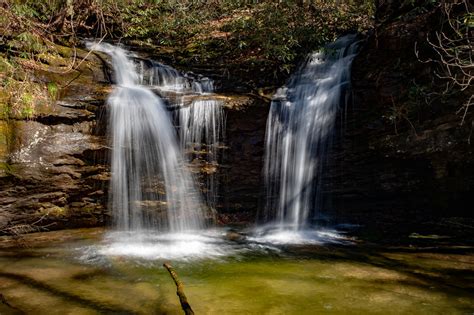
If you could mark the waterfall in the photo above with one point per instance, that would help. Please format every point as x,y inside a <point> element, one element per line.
<point>299,129</point>
<point>150,185</point>
<point>166,78</point>
<point>202,126</point>
<point>200,118</point>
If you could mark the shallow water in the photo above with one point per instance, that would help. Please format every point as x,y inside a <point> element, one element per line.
<point>73,275</point>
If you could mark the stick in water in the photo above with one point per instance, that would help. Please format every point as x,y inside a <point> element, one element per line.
<point>179,290</point>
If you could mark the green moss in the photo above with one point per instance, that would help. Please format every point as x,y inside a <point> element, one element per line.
<point>5,66</point>
<point>27,112</point>
<point>24,10</point>
<point>5,110</point>
<point>54,210</point>
<point>88,209</point>
<point>5,167</point>
<point>7,138</point>
<point>63,51</point>
<point>53,90</point>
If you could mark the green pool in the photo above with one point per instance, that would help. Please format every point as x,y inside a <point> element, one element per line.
<point>64,273</point>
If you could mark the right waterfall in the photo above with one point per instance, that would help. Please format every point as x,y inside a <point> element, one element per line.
<point>300,126</point>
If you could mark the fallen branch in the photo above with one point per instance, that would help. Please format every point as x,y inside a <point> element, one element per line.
<point>17,230</point>
<point>179,290</point>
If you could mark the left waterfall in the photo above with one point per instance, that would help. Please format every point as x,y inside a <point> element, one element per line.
<point>150,185</point>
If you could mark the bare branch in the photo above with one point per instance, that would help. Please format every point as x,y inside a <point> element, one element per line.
<point>453,45</point>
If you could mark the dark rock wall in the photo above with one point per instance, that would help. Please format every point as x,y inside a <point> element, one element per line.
<point>399,159</point>
<point>389,163</point>
<point>241,177</point>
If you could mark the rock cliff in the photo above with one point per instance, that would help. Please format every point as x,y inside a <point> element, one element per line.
<point>400,160</point>
<point>54,171</point>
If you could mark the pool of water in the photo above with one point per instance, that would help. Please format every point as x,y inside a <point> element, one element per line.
<point>88,272</point>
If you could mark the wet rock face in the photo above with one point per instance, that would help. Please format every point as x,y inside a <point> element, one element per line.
<point>239,163</point>
<point>242,163</point>
<point>54,171</point>
<point>391,164</point>
<point>46,176</point>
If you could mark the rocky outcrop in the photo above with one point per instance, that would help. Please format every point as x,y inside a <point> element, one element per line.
<point>397,159</point>
<point>53,165</point>
<point>400,160</point>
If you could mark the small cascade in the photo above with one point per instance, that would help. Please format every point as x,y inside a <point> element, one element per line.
<point>300,126</point>
<point>150,185</point>
<point>202,126</point>
<point>203,85</point>
<point>166,78</point>
<point>200,118</point>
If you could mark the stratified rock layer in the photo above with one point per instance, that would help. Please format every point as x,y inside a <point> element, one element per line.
<point>53,166</point>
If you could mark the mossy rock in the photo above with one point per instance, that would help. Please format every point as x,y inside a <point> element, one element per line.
<point>53,210</point>
<point>6,169</point>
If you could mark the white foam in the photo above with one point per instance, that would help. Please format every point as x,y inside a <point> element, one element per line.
<point>200,245</point>
<point>172,246</point>
<point>277,235</point>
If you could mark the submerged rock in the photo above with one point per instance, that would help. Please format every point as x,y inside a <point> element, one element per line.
<point>233,235</point>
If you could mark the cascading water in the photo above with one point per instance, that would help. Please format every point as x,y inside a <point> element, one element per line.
<point>200,118</point>
<point>299,129</point>
<point>162,76</point>
<point>150,187</point>
<point>202,126</point>
<point>167,78</point>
